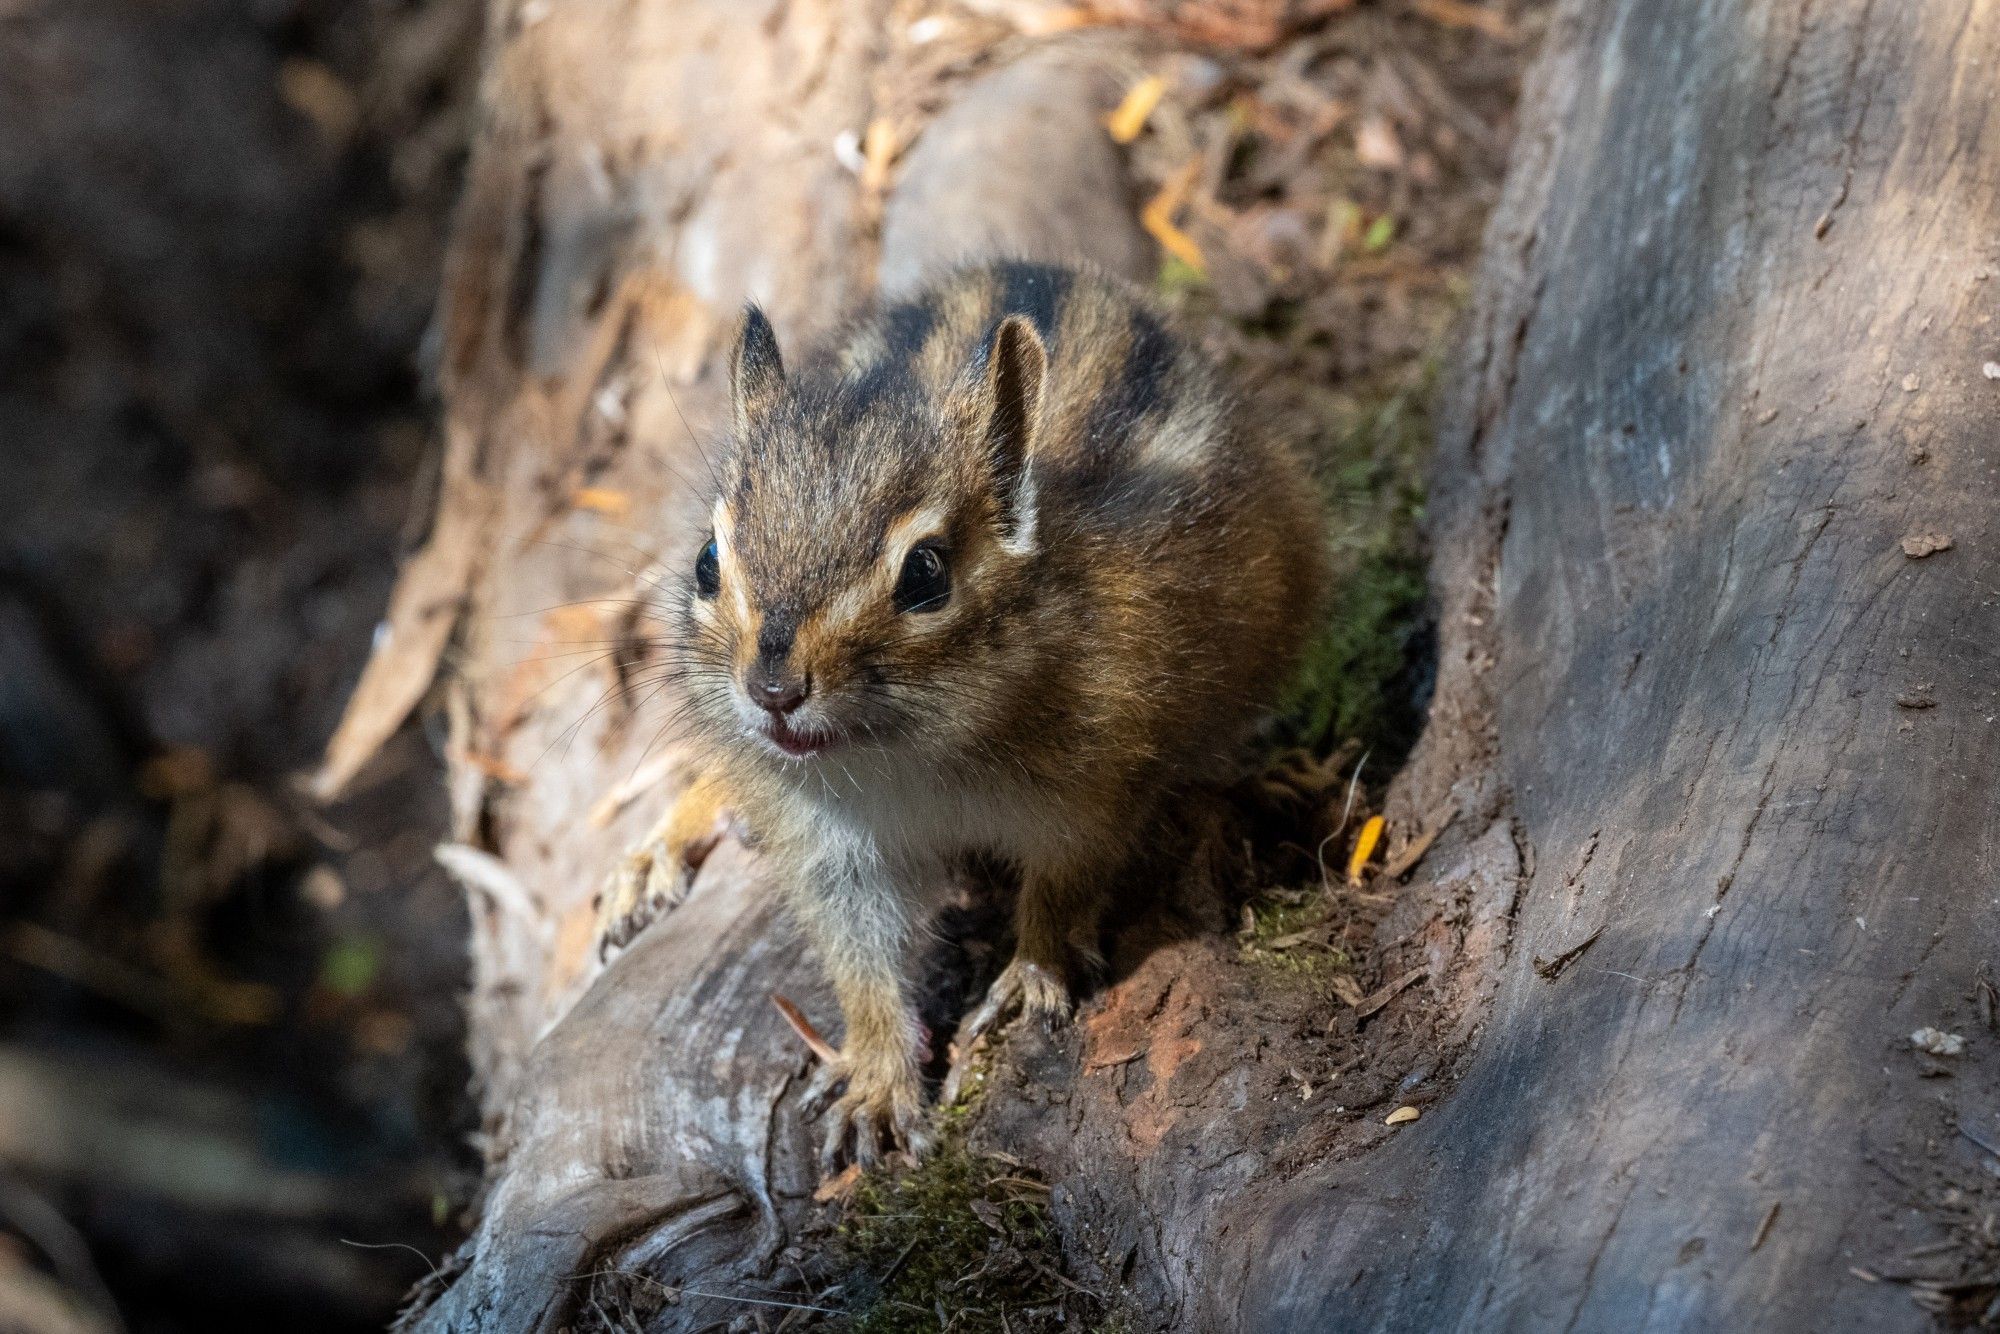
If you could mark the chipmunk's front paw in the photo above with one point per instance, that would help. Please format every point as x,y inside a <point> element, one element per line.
<point>1026,988</point>
<point>877,1110</point>
<point>1023,988</point>
<point>654,877</point>
<point>648,882</point>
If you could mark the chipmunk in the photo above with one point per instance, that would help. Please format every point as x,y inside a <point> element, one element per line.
<point>995,573</point>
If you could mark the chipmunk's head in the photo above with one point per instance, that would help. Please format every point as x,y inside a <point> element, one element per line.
<point>869,550</point>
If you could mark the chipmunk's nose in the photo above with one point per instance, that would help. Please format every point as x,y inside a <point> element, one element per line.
<point>776,686</point>
<point>782,694</point>
<point>774,682</point>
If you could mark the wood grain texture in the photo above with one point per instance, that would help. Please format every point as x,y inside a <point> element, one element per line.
<point>1727,355</point>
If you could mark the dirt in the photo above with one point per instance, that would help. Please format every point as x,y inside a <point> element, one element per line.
<point>220,230</point>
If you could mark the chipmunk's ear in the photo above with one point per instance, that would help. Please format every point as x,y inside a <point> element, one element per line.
<point>756,371</point>
<point>1006,411</point>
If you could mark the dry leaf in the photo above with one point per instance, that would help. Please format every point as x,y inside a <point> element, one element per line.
<point>601,500</point>
<point>1364,848</point>
<point>839,1187</point>
<point>1136,109</point>
<point>1376,144</point>
<point>1157,217</point>
<point>1401,1116</point>
<point>1919,545</point>
<point>1911,383</point>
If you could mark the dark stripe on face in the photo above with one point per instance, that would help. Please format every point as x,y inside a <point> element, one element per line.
<point>775,635</point>
<point>1035,290</point>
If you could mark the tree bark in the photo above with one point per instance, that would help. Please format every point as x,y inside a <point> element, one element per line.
<point>1713,748</point>
<point>1726,367</point>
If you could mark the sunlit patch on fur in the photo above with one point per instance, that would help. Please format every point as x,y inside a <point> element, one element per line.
<point>731,568</point>
<point>1185,441</point>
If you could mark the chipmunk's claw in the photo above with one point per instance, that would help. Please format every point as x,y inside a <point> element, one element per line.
<point>870,1114</point>
<point>652,880</point>
<point>1024,988</point>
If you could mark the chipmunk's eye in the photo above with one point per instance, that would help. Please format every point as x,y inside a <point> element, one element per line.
<point>925,584</point>
<point>708,571</point>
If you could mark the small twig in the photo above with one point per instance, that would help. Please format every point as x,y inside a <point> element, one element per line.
<point>1067,1281</point>
<point>1407,859</point>
<point>394,1246</point>
<point>1764,1228</point>
<point>1979,1139</point>
<point>475,868</point>
<point>889,1274</point>
<point>638,783</point>
<point>1387,992</point>
<point>1551,969</point>
<point>807,1033</point>
<point>1039,1187</point>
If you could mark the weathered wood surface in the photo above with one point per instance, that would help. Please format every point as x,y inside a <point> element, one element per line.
<point>1727,358</point>
<point>1676,625</point>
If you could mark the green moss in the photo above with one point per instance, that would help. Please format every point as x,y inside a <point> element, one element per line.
<point>962,1241</point>
<point>1284,932</point>
<point>1355,680</point>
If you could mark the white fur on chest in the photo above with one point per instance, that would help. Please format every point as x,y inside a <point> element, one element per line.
<point>907,823</point>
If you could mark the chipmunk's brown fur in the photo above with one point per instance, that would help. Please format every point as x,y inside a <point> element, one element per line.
<point>1119,579</point>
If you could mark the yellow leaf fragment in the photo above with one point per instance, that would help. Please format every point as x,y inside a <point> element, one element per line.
<point>1136,109</point>
<point>1364,848</point>
<point>1401,1116</point>
<point>601,500</point>
<point>878,154</point>
<point>1157,217</point>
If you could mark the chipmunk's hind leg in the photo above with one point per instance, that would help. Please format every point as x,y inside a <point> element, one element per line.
<point>1055,926</point>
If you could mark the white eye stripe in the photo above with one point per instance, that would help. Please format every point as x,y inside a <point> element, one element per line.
<point>913,528</point>
<point>728,569</point>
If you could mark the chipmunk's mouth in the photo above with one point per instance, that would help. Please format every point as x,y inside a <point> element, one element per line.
<point>799,742</point>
